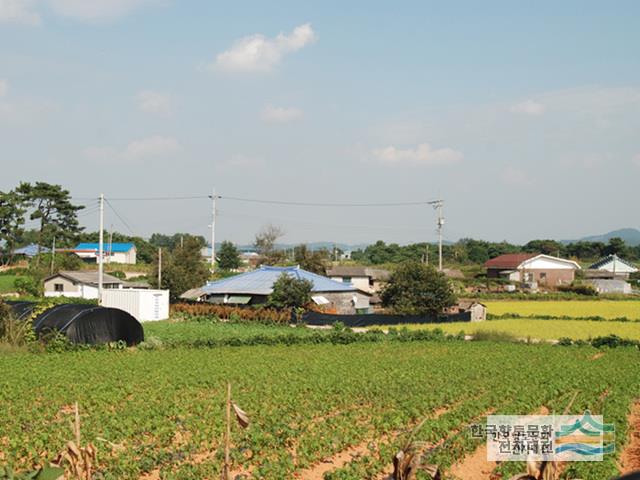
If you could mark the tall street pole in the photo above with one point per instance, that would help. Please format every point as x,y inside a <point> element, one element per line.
<point>160,267</point>
<point>438,205</point>
<point>213,230</point>
<point>101,249</point>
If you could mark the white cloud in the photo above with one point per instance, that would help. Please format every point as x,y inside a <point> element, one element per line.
<point>156,146</point>
<point>281,114</point>
<point>19,11</point>
<point>96,10</point>
<point>528,107</point>
<point>256,53</point>
<point>515,177</point>
<point>4,87</point>
<point>422,155</point>
<point>154,102</point>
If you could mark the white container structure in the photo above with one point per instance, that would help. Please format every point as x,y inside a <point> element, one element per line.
<point>144,305</point>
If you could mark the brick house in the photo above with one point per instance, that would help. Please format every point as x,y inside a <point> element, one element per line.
<point>532,268</point>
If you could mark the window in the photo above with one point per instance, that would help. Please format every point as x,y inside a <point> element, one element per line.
<point>58,287</point>
<point>346,279</point>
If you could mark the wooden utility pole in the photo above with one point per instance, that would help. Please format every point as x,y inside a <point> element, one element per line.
<point>227,438</point>
<point>159,267</point>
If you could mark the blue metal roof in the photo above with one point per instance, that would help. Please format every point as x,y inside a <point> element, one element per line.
<point>114,248</point>
<point>30,250</point>
<point>260,282</point>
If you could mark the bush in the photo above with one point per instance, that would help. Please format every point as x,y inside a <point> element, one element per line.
<point>290,292</point>
<point>579,289</point>
<point>417,289</point>
<point>28,286</point>
<point>118,274</point>
<point>213,312</point>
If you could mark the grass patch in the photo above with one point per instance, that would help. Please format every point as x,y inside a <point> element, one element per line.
<point>7,283</point>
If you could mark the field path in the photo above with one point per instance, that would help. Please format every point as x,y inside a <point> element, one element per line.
<point>630,457</point>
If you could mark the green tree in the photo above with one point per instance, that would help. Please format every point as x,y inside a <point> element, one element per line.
<point>417,289</point>
<point>265,244</point>
<point>11,223</point>
<point>312,261</point>
<point>290,292</point>
<point>228,256</point>
<point>616,246</point>
<point>548,247</point>
<point>51,204</point>
<point>182,268</point>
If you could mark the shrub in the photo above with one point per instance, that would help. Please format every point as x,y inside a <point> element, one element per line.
<point>417,289</point>
<point>579,289</point>
<point>290,292</point>
<point>213,312</point>
<point>28,286</point>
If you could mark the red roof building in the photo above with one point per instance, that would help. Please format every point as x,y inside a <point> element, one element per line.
<point>532,267</point>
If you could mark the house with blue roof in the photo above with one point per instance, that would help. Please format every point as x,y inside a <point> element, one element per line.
<point>254,288</point>
<point>112,252</point>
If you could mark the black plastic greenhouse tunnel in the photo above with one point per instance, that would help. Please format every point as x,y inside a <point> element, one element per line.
<point>85,324</point>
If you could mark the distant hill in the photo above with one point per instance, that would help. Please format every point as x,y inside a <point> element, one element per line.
<point>631,236</point>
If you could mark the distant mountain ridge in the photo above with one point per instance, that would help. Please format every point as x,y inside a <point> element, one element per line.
<point>631,236</point>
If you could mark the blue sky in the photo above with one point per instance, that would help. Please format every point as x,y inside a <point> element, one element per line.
<point>523,117</point>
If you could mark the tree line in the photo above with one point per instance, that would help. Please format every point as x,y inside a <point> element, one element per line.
<point>470,251</point>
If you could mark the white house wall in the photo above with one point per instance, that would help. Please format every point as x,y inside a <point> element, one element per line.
<point>547,264</point>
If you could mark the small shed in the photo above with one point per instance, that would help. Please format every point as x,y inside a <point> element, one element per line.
<point>477,310</point>
<point>144,304</point>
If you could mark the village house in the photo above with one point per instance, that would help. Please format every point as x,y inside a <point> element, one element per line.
<point>532,268</point>
<point>611,267</point>
<point>365,279</point>
<point>78,284</point>
<point>112,252</point>
<point>254,288</point>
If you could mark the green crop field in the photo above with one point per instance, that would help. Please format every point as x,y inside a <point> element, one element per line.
<point>570,308</point>
<point>160,413</point>
<point>543,329</point>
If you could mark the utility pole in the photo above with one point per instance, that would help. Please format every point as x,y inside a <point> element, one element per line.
<point>101,249</point>
<point>213,230</point>
<point>437,205</point>
<point>53,254</point>
<point>159,267</point>
<point>110,244</point>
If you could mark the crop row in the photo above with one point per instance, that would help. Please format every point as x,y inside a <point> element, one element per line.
<point>163,410</point>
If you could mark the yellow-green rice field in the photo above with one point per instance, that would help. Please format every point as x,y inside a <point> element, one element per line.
<point>570,308</point>
<point>543,329</point>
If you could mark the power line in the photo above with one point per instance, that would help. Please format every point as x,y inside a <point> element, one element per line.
<point>155,199</point>
<point>318,204</point>
<point>269,201</point>
<point>124,222</point>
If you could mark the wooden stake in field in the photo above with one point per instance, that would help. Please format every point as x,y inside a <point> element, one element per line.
<point>243,421</point>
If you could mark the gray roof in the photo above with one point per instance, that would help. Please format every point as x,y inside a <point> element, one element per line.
<point>611,259</point>
<point>357,271</point>
<point>260,282</point>
<point>89,277</point>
